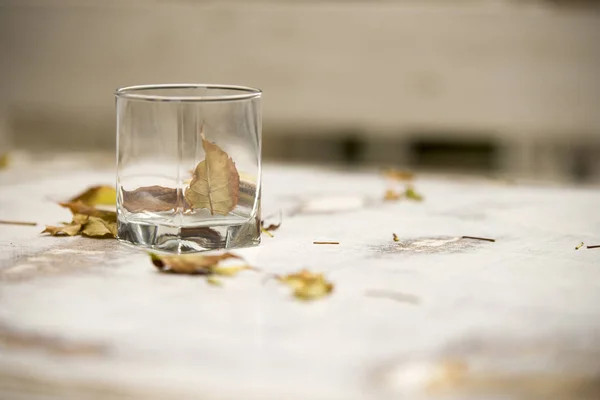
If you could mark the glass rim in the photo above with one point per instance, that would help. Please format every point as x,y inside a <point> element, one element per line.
<point>136,92</point>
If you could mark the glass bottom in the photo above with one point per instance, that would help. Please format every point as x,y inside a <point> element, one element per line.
<point>191,239</point>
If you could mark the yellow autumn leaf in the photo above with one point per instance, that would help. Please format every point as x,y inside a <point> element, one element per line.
<point>65,230</point>
<point>87,221</point>
<point>97,195</point>
<point>307,285</point>
<point>98,228</point>
<point>411,194</point>
<point>216,182</point>
<point>391,195</point>
<point>84,209</point>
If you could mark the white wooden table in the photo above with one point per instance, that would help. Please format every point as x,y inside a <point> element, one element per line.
<point>432,316</point>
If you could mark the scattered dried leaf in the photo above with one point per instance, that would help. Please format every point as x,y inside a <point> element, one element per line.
<point>65,230</point>
<point>395,237</point>
<point>153,199</point>
<point>216,182</point>
<point>580,245</point>
<point>87,221</point>
<point>392,195</point>
<point>307,285</point>
<point>196,264</point>
<point>97,195</point>
<point>398,175</point>
<point>272,227</point>
<point>84,209</point>
<point>411,194</point>
<point>99,228</point>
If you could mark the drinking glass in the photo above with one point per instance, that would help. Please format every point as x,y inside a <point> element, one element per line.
<point>189,166</point>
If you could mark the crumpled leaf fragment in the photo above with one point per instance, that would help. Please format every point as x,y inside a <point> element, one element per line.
<point>97,195</point>
<point>307,285</point>
<point>271,227</point>
<point>152,198</point>
<point>80,208</point>
<point>68,229</point>
<point>411,194</point>
<point>216,182</point>
<point>391,195</point>
<point>197,264</point>
<point>395,237</point>
<point>65,230</point>
<point>98,228</point>
<point>87,221</point>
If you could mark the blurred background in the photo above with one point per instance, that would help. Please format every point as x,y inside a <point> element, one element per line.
<point>477,86</point>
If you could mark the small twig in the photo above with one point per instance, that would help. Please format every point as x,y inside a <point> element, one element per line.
<point>18,223</point>
<point>580,245</point>
<point>393,295</point>
<point>594,246</point>
<point>326,242</point>
<point>479,238</point>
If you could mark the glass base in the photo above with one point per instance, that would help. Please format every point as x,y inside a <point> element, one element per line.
<point>177,239</point>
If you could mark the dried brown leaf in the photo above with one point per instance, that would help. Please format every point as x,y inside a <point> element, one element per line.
<point>307,285</point>
<point>152,198</point>
<point>409,193</point>
<point>271,227</point>
<point>216,182</point>
<point>65,230</point>
<point>391,195</point>
<point>398,175</point>
<point>97,195</point>
<point>191,264</point>
<point>81,208</point>
<point>99,228</point>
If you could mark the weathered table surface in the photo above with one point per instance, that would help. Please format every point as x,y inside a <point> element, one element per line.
<point>432,316</point>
